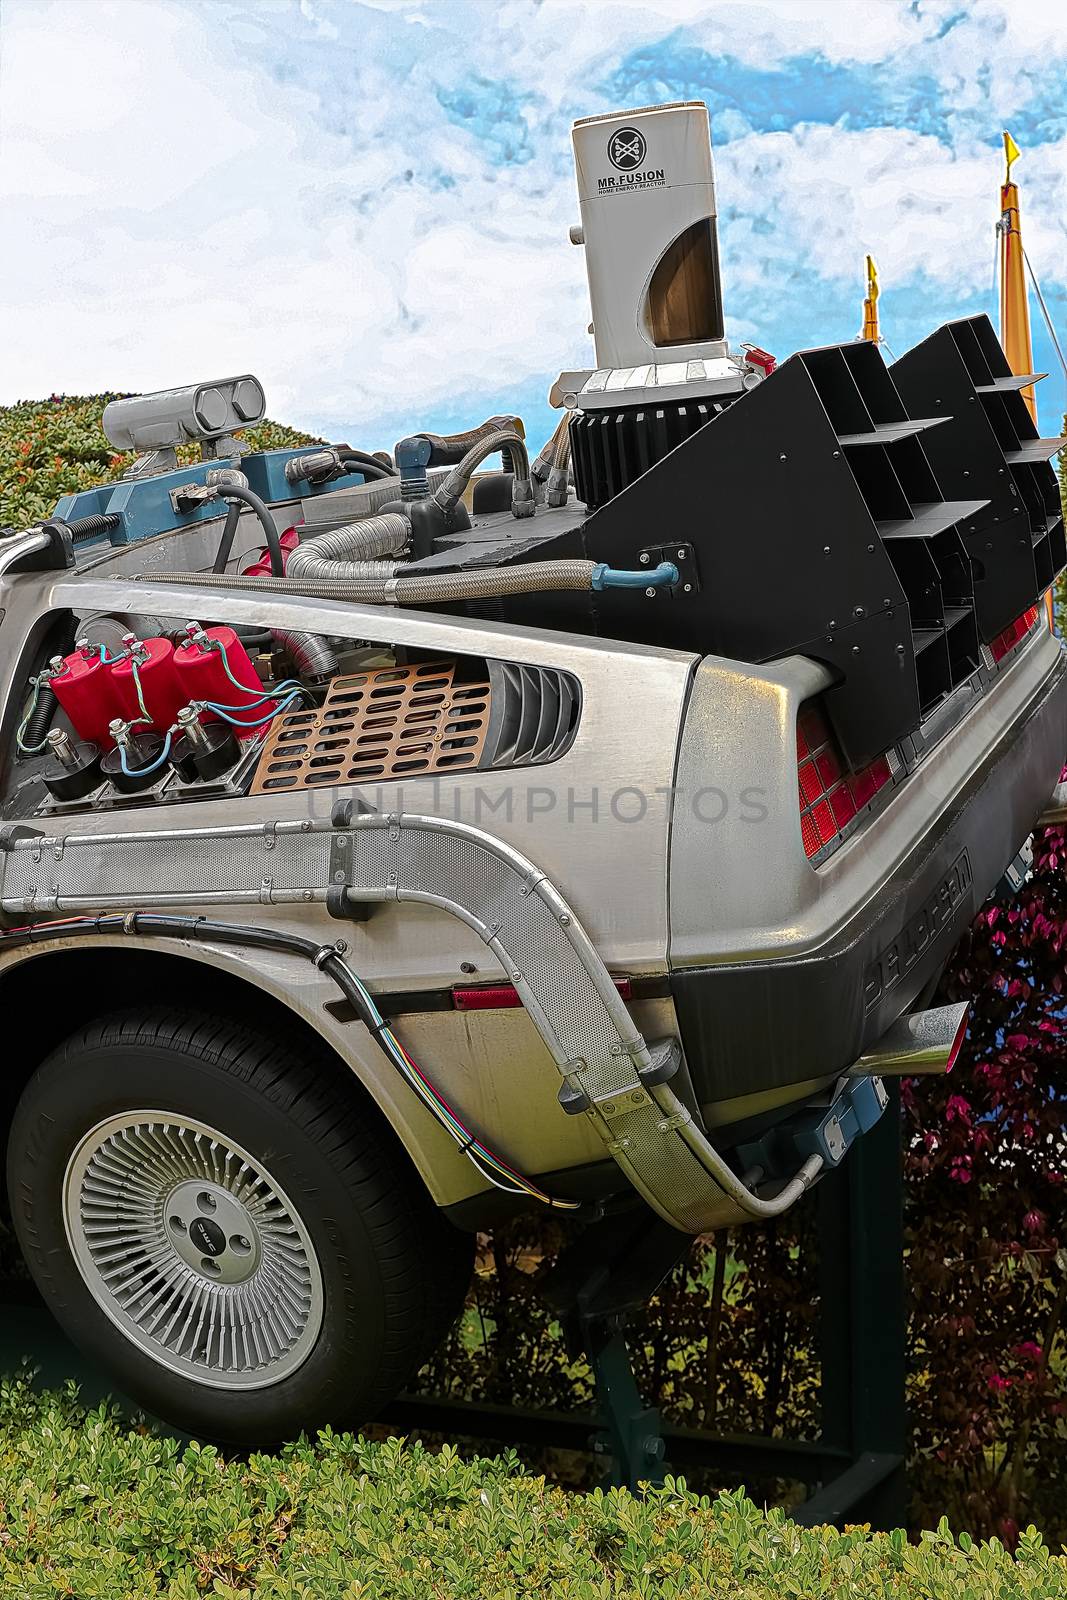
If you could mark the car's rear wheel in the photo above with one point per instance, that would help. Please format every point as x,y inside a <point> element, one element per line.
<point>228,1227</point>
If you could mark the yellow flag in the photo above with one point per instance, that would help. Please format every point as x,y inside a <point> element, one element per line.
<point>872,280</point>
<point>1011,153</point>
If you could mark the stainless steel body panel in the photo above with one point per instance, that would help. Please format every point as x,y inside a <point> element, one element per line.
<point>754,895</point>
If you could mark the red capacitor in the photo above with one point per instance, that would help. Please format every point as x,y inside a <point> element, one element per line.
<point>85,690</point>
<point>261,567</point>
<point>202,674</point>
<point>160,686</point>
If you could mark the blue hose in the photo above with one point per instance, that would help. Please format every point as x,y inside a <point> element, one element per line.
<point>153,766</point>
<point>605,577</point>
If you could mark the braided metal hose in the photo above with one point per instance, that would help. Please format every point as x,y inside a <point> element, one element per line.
<point>425,589</point>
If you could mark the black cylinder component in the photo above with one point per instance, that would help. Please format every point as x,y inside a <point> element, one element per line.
<point>142,750</point>
<point>493,492</point>
<point>429,522</point>
<point>213,751</point>
<point>609,449</point>
<point>79,778</point>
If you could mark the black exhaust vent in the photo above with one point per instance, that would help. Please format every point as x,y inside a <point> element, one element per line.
<point>533,715</point>
<point>989,448</point>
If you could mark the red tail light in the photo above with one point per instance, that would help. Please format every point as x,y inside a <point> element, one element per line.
<point>505,997</point>
<point>830,797</point>
<point>1011,635</point>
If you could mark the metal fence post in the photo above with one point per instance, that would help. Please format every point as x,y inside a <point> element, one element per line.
<point>862,1330</point>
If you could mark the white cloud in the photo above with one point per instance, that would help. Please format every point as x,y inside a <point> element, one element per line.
<point>192,189</point>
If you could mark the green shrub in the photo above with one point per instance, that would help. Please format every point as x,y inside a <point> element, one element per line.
<point>95,1509</point>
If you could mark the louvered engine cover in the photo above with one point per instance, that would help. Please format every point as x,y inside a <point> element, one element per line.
<point>428,717</point>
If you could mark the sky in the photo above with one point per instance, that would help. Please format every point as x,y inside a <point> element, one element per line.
<point>366,202</point>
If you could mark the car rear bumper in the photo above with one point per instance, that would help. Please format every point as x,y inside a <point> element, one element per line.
<point>755,1030</point>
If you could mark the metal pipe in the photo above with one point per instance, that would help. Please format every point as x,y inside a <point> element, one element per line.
<point>522,501</point>
<point>348,551</point>
<point>919,1044</point>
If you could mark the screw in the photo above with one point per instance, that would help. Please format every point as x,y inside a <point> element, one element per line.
<point>650,593</point>
<point>645,558</point>
<point>687,588</point>
<point>564,919</point>
<point>783,456</point>
<point>681,555</point>
<point>857,611</point>
<point>62,749</point>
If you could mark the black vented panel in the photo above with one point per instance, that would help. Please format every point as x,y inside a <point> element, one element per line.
<point>988,447</point>
<point>533,715</point>
<point>610,449</point>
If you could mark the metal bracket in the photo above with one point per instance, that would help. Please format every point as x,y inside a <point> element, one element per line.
<point>683,556</point>
<point>666,1059</point>
<point>339,903</point>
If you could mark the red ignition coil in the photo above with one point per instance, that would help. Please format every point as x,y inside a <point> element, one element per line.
<point>83,685</point>
<point>150,664</point>
<point>200,662</point>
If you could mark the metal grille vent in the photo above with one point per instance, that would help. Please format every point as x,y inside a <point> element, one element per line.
<point>392,722</point>
<point>533,715</point>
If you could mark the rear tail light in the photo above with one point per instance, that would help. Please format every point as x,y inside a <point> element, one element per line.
<point>1013,633</point>
<point>830,797</point>
<point>505,997</point>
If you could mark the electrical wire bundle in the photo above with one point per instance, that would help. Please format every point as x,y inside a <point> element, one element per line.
<point>497,1171</point>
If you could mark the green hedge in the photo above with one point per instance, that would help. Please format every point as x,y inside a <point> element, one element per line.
<point>91,1508</point>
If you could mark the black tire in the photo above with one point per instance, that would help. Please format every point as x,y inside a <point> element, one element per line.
<point>393,1271</point>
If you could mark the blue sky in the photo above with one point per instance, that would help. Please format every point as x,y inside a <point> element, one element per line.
<point>367,203</point>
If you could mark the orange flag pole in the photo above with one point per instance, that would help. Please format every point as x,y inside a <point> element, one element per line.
<point>870,305</point>
<point>1014,302</point>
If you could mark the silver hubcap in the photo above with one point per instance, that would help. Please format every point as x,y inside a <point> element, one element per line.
<point>192,1250</point>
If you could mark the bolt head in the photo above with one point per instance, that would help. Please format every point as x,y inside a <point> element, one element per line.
<point>645,558</point>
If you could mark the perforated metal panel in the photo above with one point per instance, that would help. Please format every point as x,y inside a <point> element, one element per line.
<point>391,722</point>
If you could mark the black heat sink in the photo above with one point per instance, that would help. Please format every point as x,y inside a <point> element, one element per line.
<point>612,448</point>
